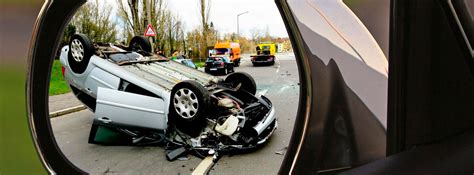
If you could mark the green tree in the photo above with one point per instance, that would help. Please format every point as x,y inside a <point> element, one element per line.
<point>95,22</point>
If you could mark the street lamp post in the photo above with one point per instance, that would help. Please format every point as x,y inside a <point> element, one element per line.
<point>238,34</point>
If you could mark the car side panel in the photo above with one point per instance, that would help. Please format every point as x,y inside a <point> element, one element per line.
<point>100,78</point>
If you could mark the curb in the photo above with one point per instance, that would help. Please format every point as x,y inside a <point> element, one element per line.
<point>67,111</point>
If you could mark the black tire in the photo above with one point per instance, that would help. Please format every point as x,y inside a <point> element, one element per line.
<point>190,122</point>
<point>80,52</point>
<point>237,63</point>
<point>225,71</point>
<point>246,81</point>
<point>139,43</point>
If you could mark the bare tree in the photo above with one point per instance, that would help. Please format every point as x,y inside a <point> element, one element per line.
<point>167,25</point>
<point>205,10</point>
<point>267,37</point>
<point>256,34</point>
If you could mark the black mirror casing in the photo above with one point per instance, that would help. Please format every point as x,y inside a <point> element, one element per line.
<point>48,30</point>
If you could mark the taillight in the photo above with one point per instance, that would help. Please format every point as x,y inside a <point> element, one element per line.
<point>62,70</point>
<point>222,63</point>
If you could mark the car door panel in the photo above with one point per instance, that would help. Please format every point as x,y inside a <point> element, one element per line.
<point>100,78</point>
<point>122,109</point>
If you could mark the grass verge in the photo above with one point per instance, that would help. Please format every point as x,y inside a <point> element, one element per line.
<point>199,64</point>
<point>57,85</point>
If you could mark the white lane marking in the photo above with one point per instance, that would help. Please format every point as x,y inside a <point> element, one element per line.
<point>204,166</point>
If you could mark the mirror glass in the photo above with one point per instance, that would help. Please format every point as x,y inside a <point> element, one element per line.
<point>168,86</point>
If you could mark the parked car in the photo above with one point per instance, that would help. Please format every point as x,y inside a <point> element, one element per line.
<point>219,64</point>
<point>151,98</point>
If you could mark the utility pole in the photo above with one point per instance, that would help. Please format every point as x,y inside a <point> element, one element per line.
<point>238,34</point>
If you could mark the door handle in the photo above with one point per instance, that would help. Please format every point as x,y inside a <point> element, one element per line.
<point>105,120</point>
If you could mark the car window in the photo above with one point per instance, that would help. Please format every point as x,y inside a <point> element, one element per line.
<point>225,59</point>
<point>221,51</point>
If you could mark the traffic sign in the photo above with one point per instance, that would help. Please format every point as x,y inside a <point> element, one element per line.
<point>149,31</point>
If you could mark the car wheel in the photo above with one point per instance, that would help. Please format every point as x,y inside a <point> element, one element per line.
<point>138,43</point>
<point>246,82</point>
<point>237,63</point>
<point>190,103</point>
<point>80,52</point>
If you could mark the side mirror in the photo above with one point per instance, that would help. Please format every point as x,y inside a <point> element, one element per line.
<point>344,126</point>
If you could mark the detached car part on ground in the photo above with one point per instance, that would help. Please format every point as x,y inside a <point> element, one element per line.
<point>149,100</point>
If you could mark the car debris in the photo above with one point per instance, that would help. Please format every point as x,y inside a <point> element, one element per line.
<point>281,151</point>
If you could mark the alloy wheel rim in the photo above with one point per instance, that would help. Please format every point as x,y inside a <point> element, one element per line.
<point>186,103</point>
<point>77,50</point>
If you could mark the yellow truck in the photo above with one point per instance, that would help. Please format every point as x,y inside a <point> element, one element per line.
<point>265,54</point>
<point>228,49</point>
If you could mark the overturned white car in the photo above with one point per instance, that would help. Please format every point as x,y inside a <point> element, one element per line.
<point>153,100</point>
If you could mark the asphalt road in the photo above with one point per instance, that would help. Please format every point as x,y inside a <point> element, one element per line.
<point>279,83</point>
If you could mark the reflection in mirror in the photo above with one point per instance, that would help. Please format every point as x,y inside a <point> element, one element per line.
<point>175,87</point>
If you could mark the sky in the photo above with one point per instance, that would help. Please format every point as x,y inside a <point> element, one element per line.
<point>261,14</point>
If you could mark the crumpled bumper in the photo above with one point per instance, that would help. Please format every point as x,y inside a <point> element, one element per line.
<point>266,127</point>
